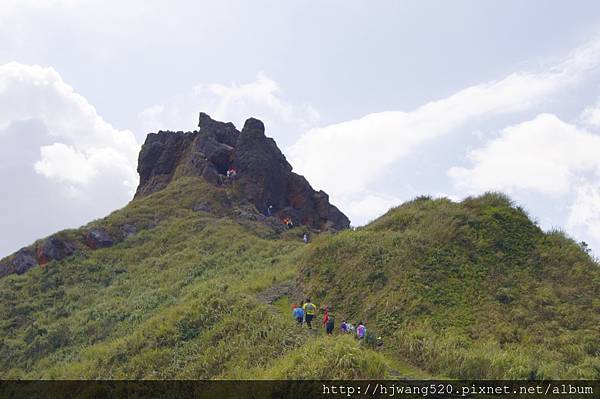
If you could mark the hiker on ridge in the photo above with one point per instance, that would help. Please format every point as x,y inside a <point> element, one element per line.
<point>344,327</point>
<point>309,312</point>
<point>361,330</point>
<point>326,315</point>
<point>298,314</point>
<point>329,322</point>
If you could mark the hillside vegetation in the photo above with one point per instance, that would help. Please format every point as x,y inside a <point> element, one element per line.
<point>466,290</point>
<point>470,290</point>
<point>177,300</point>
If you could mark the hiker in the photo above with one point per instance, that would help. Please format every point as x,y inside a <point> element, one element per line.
<point>349,328</point>
<point>298,314</point>
<point>305,238</point>
<point>361,330</point>
<point>329,323</point>
<point>231,172</point>
<point>326,315</point>
<point>309,312</point>
<point>270,210</point>
<point>288,222</point>
<point>344,327</point>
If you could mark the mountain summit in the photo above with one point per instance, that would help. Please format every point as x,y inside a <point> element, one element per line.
<point>262,187</point>
<point>262,174</point>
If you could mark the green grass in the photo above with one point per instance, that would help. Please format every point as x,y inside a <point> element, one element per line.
<point>463,290</point>
<point>466,290</point>
<point>177,300</point>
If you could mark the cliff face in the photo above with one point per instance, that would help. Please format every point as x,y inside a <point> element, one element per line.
<point>264,177</point>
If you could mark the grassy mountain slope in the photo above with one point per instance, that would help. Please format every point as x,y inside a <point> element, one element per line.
<point>469,290</point>
<point>177,300</point>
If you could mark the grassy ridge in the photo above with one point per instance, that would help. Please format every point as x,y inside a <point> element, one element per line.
<point>467,290</point>
<point>176,300</point>
<point>470,290</point>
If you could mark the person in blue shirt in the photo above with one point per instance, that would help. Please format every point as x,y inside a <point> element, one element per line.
<point>299,315</point>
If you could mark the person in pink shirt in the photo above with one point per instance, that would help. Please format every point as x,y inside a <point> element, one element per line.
<point>361,330</point>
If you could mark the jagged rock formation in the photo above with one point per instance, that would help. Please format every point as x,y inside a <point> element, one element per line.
<point>264,190</point>
<point>264,177</point>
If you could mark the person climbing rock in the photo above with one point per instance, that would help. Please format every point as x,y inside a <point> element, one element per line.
<point>309,312</point>
<point>361,330</point>
<point>298,315</point>
<point>231,172</point>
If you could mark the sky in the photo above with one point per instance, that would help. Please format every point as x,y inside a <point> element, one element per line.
<point>374,102</point>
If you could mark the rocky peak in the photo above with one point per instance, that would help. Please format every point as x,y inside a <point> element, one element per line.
<point>264,177</point>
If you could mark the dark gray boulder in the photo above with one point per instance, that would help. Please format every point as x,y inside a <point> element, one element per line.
<point>23,260</point>
<point>54,248</point>
<point>98,238</point>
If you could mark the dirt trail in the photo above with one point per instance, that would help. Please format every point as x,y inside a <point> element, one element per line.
<point>275,292</point>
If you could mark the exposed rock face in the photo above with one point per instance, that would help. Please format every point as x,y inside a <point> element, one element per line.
<point>54,248</point>
<point>264,176</point>
<point>23,260</point>
<point>168,155</point>
<point>98,238</point>
<point>264,181</point>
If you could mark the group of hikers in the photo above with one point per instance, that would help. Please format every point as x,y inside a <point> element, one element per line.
<point>305,314</point>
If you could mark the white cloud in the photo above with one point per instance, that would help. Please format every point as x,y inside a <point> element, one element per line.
<point>235,102</point>
<point>365,147</point>
<point>82,136</point>
<point>590,116</point>
<point>54,141</point>
<point>364,209</point>
<point>584,217</point>
<point>545,155</point>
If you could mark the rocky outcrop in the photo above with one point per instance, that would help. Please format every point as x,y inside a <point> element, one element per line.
<point>54,248</point>
<point>98,238</point>
<point>21,261</point>
<point>264,177</point>
<point>168,155</point>
<point>265,189</point>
